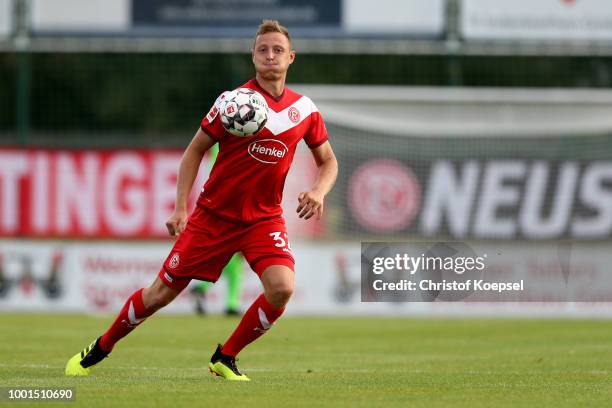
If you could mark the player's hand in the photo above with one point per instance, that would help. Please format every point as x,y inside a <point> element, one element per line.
<point>310,203</point>
<point>176,223</point>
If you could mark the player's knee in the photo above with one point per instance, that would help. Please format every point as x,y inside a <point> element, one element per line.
<point>285,292</point>
<point>279,294</point>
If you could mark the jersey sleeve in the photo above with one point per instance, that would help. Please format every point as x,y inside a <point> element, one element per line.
<point>317,133</point>
<point>211,123</point>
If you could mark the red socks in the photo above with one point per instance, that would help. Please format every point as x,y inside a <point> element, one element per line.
<point>255,322</point>
<point>132,314</point>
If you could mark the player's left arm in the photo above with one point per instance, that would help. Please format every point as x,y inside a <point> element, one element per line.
<point>311,202</point>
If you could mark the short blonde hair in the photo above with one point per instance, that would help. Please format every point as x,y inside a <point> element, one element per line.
<point>272,26</point>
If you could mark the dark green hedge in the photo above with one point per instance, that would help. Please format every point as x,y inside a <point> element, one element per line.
<point>161,93</point>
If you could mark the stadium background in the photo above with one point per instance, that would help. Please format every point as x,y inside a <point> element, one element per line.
<point>484,123</point>
<point>452,120</point>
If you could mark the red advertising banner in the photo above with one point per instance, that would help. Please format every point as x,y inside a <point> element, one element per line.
<point>107,193</point>
<point>101,194</point>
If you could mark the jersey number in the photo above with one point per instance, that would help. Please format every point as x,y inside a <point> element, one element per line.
<point>280,241</point>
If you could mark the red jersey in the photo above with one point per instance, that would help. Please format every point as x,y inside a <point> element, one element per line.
<point>247,180</point>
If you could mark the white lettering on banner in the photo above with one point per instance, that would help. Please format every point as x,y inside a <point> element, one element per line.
<point>531,221</point>
<point>124,194</point>
<point>131,193</point>
<point>108,265</point>
<point>597,197</point>
<point>518,198</point>
<point>39,210</point>
<point>453,195</point>
<point>76,193</point>
<point>104,289</point>
<point>13,166</point>
<point>495,194</point>
<point>88,193</point>
<point>165,170</point>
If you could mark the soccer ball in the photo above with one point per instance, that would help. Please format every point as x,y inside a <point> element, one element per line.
<point>244,112</point>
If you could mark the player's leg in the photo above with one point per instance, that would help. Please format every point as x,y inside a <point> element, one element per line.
<point>140,305</point>
<point>278,282</point>
<point>233,274</point>
<point>200,252</point>
<point>266,248</point>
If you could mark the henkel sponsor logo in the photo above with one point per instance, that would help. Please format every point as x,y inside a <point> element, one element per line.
<point>518,198</point>
<point>384,195</point>
<point>269,151</point>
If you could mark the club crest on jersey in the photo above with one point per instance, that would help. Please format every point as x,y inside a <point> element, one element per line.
<point>174,261</point>
<point>294,114</point>
<point>269,151</point>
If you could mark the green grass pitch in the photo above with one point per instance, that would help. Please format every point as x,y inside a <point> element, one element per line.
<point>367,362</point>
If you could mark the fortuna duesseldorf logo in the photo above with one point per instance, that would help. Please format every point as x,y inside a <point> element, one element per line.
<point>294,114</point>
<point>269,151</point>
<point>174,261</point>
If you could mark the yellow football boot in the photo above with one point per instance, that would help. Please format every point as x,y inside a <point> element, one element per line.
<point>225,367</point>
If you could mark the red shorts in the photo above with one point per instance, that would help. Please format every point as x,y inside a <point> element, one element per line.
<point>207,244</point>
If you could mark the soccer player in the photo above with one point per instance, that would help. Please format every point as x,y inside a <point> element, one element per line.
<point>239,209</point>
<point>232,273</point>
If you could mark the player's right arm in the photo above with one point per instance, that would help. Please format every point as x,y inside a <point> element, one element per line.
<point>188,170</point>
